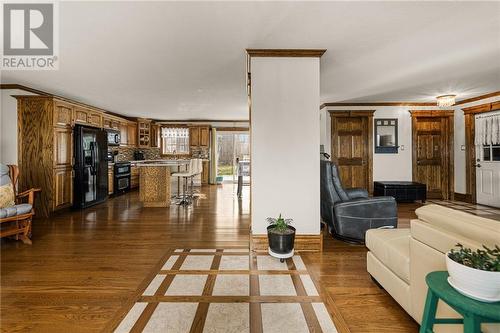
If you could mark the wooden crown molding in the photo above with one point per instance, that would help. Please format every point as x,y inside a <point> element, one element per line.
<point>378,104</point>
<point>464,101</point>
<point>431,113</point>
<point>25,88</point>
<point>478,98</point>
<point>482,108</point>
<point>351,113</point>
<point>296,53</point>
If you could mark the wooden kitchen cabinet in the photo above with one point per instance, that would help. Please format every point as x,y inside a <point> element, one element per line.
<point>199,136</point>
<point>80,115</point>
<point>132,134</point>
<point>134,176</point>
<point>205,174</point>
<point>204,136</point>
<point>63,188</point>
<point>111,179</point>
<point>194,136</point>
<point>144,133</point>
<point>155,136</point>
<point>123,134</point>
<point>63,146</point>
<point>110,123</point>
<point>94,119</point>
<point>87,117</point>
<point>63,114</point>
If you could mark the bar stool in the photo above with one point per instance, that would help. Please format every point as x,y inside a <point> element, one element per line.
<point>197,171</point>
<point>185,175</point>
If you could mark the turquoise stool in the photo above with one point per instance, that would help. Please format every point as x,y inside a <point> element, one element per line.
<point>474,312</point>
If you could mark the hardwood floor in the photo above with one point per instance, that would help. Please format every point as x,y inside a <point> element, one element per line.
<point>83,267</point>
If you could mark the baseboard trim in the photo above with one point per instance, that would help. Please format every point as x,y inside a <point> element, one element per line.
<point>463,197</point>
<point>303,243</point>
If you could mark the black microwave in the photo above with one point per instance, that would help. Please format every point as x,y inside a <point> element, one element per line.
<point>113,138</point>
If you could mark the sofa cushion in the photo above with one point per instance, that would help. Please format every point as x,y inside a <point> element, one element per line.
<point>392,248</point>
<point>461,224</point>
<point>15,210</point>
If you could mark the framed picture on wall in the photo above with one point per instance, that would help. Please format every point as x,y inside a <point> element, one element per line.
<point>386,136</point>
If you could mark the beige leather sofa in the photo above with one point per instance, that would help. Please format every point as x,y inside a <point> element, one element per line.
<point>399,259</point>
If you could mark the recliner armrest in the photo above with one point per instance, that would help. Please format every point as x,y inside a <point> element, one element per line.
<point>356,193</point>
<point>369,208</point>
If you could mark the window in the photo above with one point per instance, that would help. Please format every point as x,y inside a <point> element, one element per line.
<point>174,140</point>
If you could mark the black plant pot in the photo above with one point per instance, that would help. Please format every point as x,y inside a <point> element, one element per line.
<point>281,243</point>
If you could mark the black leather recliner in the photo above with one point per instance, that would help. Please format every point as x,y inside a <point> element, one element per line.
<point>349,213</point>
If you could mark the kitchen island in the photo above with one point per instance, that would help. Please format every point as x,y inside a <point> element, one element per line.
<point>154,181</point>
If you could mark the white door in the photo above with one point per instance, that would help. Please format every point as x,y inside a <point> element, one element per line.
<point>488,173</point>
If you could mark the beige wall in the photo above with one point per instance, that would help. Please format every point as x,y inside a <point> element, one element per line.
<point>8,125</point>
<point>398,166</point>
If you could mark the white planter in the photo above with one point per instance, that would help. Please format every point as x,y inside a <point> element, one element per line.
<point>474,283</point>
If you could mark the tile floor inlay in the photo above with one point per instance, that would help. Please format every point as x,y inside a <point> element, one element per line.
<point>237,293</point>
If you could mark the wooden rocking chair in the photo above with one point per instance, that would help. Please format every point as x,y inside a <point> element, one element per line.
<point>16,221</point>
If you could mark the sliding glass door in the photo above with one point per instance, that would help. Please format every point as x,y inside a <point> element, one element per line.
<point>232,147</point>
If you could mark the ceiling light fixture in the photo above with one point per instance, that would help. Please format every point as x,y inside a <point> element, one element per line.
<point>444,101</point>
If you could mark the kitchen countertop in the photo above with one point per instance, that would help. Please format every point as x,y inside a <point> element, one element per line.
<point>165,163</point>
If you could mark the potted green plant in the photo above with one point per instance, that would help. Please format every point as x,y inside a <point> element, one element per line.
<point>281,237</point>
<point>475,273</point>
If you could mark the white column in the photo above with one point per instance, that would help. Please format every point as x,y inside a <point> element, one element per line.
<point>285,142</point>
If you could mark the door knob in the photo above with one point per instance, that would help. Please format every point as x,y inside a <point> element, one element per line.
<point>478,165</point>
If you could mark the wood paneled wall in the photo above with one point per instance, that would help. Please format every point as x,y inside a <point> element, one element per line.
<point>35,149</point>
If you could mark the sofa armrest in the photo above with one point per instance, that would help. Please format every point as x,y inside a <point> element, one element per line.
<point>356,193</point>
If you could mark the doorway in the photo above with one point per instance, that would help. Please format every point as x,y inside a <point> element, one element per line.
<point>352,147</point>
<point>487,159</point>
<point>233,147</point>
<point>432,137</point>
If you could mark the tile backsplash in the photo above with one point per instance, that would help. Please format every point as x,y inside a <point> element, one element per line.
<point>127,153</point>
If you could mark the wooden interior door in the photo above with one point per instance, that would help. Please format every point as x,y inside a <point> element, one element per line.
<point>352,144</point>
<point>432,133</point>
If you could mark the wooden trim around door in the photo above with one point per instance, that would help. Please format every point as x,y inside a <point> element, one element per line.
<point>470,147</point>
<point>450,149</point>
<point>356,113</point>
<point>300,53</point>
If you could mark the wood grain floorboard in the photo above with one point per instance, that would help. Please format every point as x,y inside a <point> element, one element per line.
<point>85,267</point>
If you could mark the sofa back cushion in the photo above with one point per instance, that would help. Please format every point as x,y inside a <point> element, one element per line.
<point>438,226</point>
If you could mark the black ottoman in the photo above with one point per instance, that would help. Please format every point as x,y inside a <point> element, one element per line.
<point>401,191</point>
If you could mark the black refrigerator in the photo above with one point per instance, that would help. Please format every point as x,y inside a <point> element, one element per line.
<point>91,166</point>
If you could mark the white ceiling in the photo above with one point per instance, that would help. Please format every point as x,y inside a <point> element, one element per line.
<point>186,60</point>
